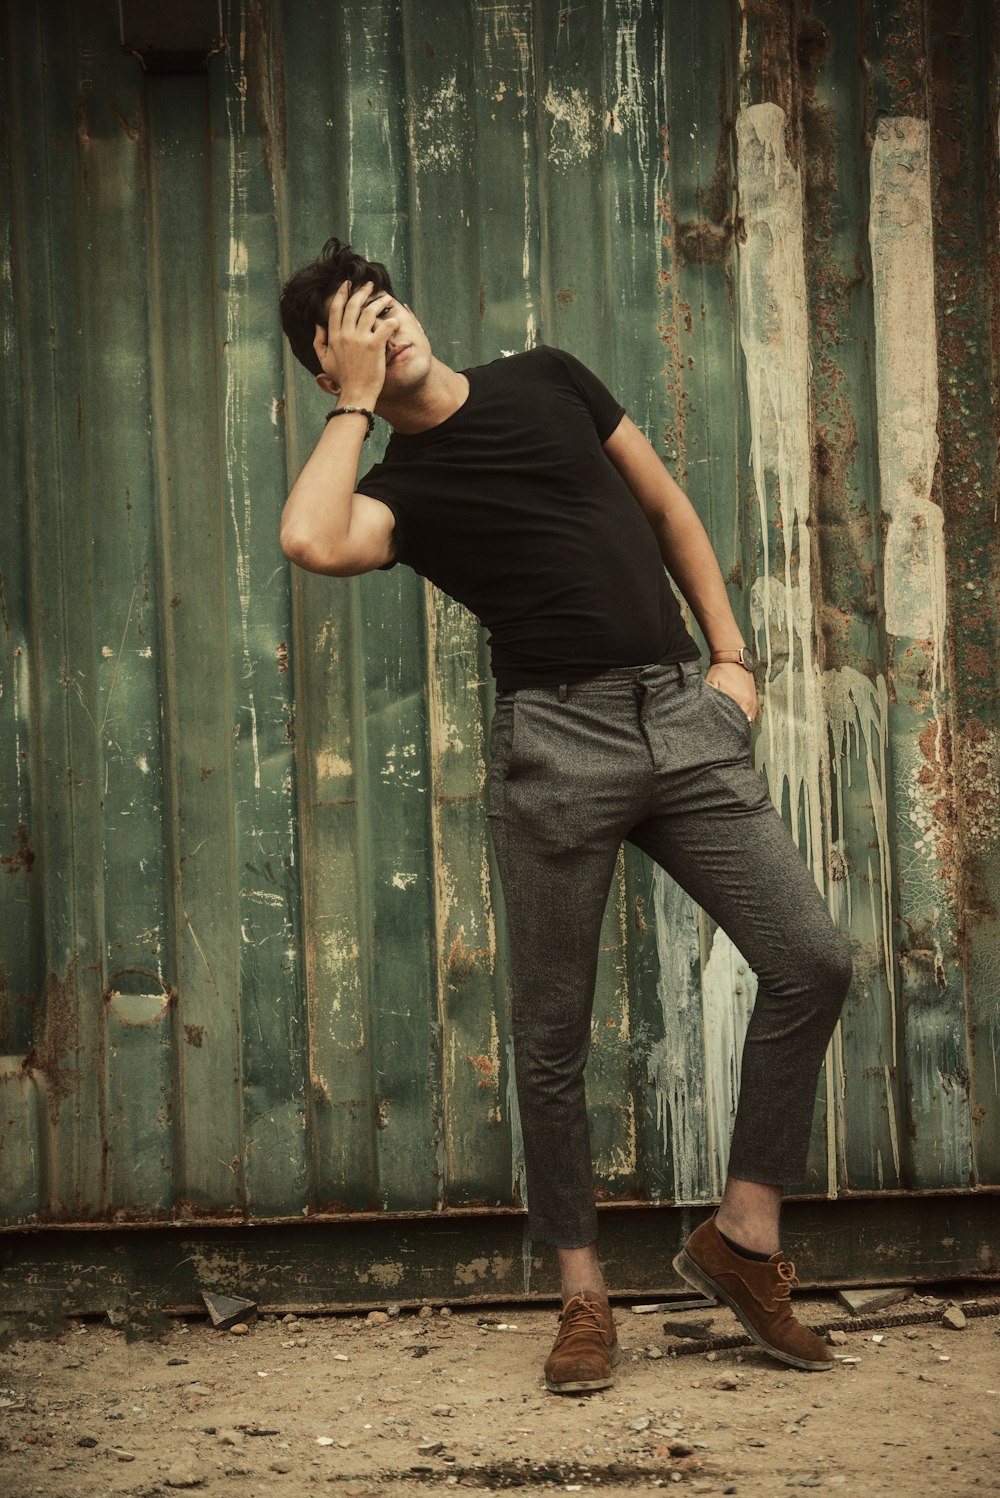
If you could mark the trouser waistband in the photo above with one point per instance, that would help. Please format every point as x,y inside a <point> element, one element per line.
<point>617,679</point>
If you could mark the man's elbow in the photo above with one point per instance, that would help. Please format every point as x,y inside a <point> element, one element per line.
<point>305,553</point>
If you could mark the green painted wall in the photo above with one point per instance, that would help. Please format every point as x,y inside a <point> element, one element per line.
<point>252,948</point>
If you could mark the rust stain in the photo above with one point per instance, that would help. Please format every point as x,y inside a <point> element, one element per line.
<point>564,297</point>
<point>132,128</point>
<point>462,959</point>
<point>936,780</point>
<point>282,656</point>
<point>206,771</point>
<point>24,858</point>
<point>265,74</point>
<point>83,134</point>
<point>977,775</point>
<point>770,76</point>
<point>487,1068</point>
<point>6,1020</point>
<point>58,1042</point>
<point>195,1035</point>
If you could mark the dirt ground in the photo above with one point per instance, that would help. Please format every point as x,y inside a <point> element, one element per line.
<point>427,1401</point>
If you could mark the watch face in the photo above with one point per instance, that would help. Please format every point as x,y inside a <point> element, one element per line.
<point>748,659</point>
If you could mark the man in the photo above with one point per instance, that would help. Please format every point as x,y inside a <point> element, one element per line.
<point>522,489</point>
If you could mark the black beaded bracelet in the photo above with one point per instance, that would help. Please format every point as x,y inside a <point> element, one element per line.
<point>355,411</point>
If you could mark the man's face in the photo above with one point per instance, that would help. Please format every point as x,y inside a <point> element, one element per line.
<point>408,356</point>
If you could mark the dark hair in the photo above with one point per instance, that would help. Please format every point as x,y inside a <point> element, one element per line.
<point>305,295</point>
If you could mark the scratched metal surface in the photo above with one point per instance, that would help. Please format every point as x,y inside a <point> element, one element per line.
<point>252,950</point>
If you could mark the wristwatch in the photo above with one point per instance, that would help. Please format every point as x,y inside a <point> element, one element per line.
<point>743,657</point>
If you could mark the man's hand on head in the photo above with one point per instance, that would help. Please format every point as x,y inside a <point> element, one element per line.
<point>352,347</point>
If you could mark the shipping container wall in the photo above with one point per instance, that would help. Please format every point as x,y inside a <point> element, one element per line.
<point>253,959</point>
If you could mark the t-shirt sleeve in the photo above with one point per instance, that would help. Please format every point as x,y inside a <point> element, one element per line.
<point>607,410</point>
<point>377,484</point>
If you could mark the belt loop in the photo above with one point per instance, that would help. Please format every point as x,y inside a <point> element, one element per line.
<point>681,678</point>
<point>563,691</point>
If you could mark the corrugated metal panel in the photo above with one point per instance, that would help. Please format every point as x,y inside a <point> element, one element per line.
<point>252,954</point>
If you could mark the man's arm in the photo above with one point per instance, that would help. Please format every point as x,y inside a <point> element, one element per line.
<point>325,525</point>
<point>687,554</point>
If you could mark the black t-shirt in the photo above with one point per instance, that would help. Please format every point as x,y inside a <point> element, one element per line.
<point>512,507</point>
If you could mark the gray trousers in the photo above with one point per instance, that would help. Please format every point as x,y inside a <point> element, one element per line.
<point>655,756</point>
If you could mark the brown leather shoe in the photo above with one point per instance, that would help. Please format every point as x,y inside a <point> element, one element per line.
<point>586,1347</point>
<point>759,1292</point>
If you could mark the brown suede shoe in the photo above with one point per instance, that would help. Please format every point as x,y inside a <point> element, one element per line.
<point>586,1347</point>
<point>759,1292</point>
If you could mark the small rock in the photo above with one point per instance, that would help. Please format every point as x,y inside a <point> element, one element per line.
<point>836,1339</point>
<point>442,1409</point>
<point>680,1448</point>
<point>231,1438</point>
<point>176,1362</point>
<point>653,1353</point>
<point>860,1301</point>
<point>225,1310</point>
<point>677,1326</point>
<point>281,1466</point>
<point>430,1448</point>
<point>376,1318</point>
<point>123,1456</point>
<point>445,1311</point>
<point>711,1357</point>
<point>425,1312</point>
<point>643,1423</point>
<point>954,1318</point>
<point>912,1334</point>
<point>88,1441</point>
<point>239,1329</point>
<point>392,1310</point>
<point>803,1480</point>
<point>183,1475</point>
<point>726,1381</point>
<point>290,1317</point>
<point>198,1389</point>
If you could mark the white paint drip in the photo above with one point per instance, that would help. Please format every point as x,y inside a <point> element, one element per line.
<point>906,382</point>
<point>332,766</point>
<point>858,714</point>
<point>677,1062</point>
<point>774,334</point>
<point>572,136</point>
<point>518,1177</point>
<point>237,360</point>
<point>628,111</point>
<point>439,126</point>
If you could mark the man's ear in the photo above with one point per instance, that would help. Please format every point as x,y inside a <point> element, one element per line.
<point>327,384</point>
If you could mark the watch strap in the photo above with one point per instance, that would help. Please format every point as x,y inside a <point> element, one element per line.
<point>742,657</point>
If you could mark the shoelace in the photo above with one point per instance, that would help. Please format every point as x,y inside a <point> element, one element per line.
<point>786,1273</point>
<point>581,1313</point>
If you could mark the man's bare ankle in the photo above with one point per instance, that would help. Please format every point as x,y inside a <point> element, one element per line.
<point>760,1238</point>
<point>591,1292</point>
